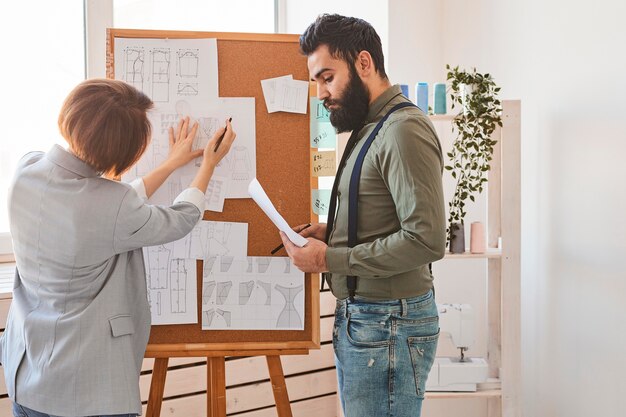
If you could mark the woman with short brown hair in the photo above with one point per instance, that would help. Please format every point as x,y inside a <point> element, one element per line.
<point>79,320</point>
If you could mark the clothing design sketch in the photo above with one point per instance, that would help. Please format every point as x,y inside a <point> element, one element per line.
<point>245,291</point>
<point>161,75</point>
<point>248,288</point>
<point>158,260</point>
<point>223,289</point>
<point>178,288</point>
<point>240,163</point>
<point>188,60</point>
<point>267,287</point>
<point>289,317</point>
<point>134,58</point>
<point>207,291</point>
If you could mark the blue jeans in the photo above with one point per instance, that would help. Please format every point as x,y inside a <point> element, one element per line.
<point>21,411</point>
<point>383,352</point>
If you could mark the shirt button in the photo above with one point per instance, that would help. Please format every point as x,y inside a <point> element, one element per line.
<point>338,193</point>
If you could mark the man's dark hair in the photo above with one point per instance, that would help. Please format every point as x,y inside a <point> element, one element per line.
<point>345,37</point>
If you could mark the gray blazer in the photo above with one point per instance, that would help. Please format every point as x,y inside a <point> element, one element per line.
<point>79,320</point>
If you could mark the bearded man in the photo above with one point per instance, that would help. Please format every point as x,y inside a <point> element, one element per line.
<point>386,224</point>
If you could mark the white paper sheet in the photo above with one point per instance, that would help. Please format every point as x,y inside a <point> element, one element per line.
<point>258,194</point>
<point>239,166</point>
<point>171,268</point>
<point>285,94</point>
<point>172,289</point>
<point>252,293</point>
<point>168,70</point>
<point>181,77</point>
<point>269,92</point>
<point>215,193</point>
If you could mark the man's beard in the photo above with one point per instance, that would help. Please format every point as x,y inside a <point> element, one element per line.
<point>353,106</point>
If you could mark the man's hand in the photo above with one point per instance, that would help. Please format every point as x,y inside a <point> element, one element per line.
<point>310,258</point>
<point>315,230</point>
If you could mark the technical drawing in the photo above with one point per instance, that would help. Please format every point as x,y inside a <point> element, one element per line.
<point>188,62</point>
<point>207,128</point>
<point>207,291</point>
<point>207,317</point>
<point>267,287</point>
<point>289,317</point>
<point>291,97</point>
<point>321,112</point>
<point>245,291</point>
<point>158,302</point>
<point>240,165</point>
<point>207,266</point>
<point>226,315</point>
<point>223,289</point>
<point>287,265</point>
<point>178,287</point>
<point>155,154</point>
<point>226,262</point>
<point>134,59</point>
<point>187,89</point>
<point>250,266</point>
<point>263,264</point>
<point>158,261</point>
<point>161,75</point>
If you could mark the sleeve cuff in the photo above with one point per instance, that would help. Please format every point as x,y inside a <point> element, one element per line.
<point>140,188</point>
<point>194,196</point>
<point>337,260</point>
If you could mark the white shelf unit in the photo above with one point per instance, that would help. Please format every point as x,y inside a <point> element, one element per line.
<point>503,271</point>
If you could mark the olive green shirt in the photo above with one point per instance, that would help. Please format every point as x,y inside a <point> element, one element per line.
<point>401,219</point>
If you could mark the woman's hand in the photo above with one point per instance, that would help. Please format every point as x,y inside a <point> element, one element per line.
<point>212,157</point>
<point>181,141</point>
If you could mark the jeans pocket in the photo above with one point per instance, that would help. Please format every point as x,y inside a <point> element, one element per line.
<point>423,350</point>
<point>368,330</point>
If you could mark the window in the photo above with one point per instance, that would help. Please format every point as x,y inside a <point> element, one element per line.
<point>42,65</point>
<point>209,16</point>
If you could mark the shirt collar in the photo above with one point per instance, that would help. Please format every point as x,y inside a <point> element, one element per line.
<point>71,162</point>
<point>381,101</point>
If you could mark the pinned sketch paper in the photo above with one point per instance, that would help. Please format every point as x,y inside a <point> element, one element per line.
<point>285,94</point>
<point>252,293</point>
<point>171,268</point>
<point>323,164</point>
<point>168,70</point>
<point>323,134</point>
<point>269,92</point>
<point>171,286</point>
<point>321,201</point>
<point>258,194</point>
<point>215,193</point>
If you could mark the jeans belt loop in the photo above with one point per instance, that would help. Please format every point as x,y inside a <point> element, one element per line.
<point>403,307</point>
<point>345,308</point>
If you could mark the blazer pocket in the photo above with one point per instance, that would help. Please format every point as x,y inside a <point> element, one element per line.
<point>121,325</point>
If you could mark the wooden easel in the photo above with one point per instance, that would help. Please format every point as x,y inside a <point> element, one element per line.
<point>216,376</point>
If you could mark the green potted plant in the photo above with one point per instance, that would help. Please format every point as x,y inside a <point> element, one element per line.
<point>472,149</point>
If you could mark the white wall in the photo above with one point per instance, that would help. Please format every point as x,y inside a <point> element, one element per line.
<point>565,61</point>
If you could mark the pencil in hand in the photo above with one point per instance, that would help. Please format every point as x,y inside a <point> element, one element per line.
<point>221,138</point>
<point>279,247</point>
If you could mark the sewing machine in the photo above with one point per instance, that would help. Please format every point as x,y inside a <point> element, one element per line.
<point>459,373</point>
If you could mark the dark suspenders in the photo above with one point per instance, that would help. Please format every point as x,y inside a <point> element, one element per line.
<point>353,198</point>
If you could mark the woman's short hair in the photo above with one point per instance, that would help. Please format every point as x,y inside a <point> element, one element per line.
<point>106,124</point>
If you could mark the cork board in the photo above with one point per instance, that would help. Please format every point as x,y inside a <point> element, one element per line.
<point>283,167</point>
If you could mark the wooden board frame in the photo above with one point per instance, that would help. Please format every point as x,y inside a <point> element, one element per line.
<point>283,167</point>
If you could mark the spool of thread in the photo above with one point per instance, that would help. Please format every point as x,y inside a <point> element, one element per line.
<point>405,90</point>
<point>477,237</point>
<point>439,98</point>
<point>421,94</point>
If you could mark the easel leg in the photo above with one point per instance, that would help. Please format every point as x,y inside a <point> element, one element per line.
<point>157,385</point>
<point>283,407</point>
<point>216,386</point>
